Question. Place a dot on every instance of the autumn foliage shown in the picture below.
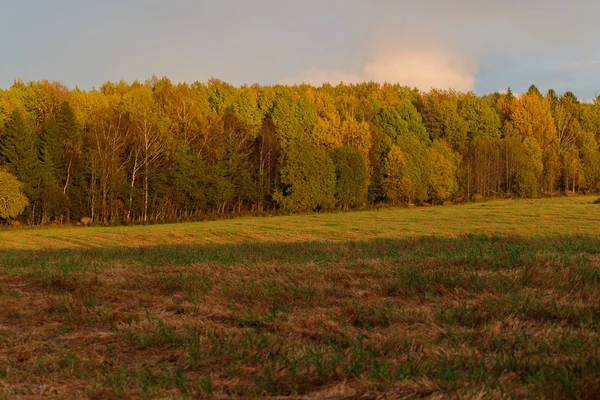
(160, 151)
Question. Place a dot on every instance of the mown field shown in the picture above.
(487, 300)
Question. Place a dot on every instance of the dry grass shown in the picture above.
(364, 311)
(529, 218)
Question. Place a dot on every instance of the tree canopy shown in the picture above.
(160, 151)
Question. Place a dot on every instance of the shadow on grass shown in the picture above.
(494, 251)
(254, 332)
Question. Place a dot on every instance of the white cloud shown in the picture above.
(424, 68)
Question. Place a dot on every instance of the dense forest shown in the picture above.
(159, 151)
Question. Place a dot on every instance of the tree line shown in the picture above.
(159, 151)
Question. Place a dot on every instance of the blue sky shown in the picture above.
(480, 45)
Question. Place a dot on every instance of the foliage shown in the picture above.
(12, 199)
(398, 184)
(418, 168)
(352, 177)
(160, 151)
(444, 183)
(307, 176)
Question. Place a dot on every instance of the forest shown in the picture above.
(162, 151)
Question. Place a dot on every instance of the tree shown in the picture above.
(590, 117)
(357, 135)
(188, 179)
(69, 136)
(481, 117)
(293, 116)
(151, 146)
(12, 199)
(402, 121)
(418, 168)
(352, 177)
(444, 163)
(533, 90)
(18, 148)
(485, 166)
(162, 151)
(574, 173)
(455, 128)
(531, 117)
(528, 176)
(52, 148)
(380, 148)
(590, 158)
(109, 131)
(307, 178)
(398, 185)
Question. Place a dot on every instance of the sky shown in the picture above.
(468, 45)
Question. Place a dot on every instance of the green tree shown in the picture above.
(482, 118)
(52, 148)
(18, 147)
(307, 178)
(352, 177)
(293, 116)
(398, 185)
(528, 176)
(187, 180)
(455, 128)
(402, 121)
(444, 167)
(418, 167)
(67, 146)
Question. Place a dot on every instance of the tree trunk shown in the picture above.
(133, 174)
(146, 194)
(68, 175)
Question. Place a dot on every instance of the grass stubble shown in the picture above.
(463, 315)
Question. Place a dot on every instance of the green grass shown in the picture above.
(529, 218)
(498, 299)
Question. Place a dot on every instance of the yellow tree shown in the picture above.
(398, 186)
(327, 132)
(532, 118)
(590, 158)
(356, 134)
(573, 168)
(12, 199)
(444, 161)
(152, 144)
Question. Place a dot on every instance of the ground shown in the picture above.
(487, 300)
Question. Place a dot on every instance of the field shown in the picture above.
(486, 300)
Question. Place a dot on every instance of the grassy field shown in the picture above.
(487, 300)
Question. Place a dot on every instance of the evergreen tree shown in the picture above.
(70, 136)
(18, 148)
(52, 148)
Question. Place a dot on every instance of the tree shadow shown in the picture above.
(497, 251)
